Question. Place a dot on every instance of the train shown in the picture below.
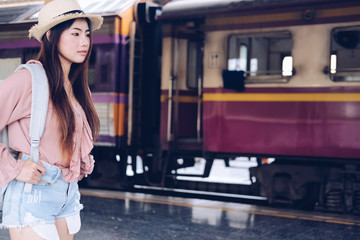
(175, 81)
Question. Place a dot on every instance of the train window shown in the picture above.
(193, 64)
(264, 57)
(287, 66)
(240, 63)
(345, 54)
(333, 63)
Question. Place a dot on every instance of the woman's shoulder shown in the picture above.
(15, 97)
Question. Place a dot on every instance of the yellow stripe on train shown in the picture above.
(282, 97)
(269, 97)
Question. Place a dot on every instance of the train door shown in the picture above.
(185, 113)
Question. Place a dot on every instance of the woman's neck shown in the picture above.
(67, 84)
(66, 69)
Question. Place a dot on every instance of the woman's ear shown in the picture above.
(48, 35)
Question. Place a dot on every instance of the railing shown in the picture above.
(267, 76)
(346, 75)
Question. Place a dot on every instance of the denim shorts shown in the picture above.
(49, 199)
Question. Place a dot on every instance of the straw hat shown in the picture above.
(58, 11)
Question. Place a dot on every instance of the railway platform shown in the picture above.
(113, 215)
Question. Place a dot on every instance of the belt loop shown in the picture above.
(57, 175)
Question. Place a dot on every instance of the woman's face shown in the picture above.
(74, 43)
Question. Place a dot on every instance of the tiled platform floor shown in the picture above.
(134, 216)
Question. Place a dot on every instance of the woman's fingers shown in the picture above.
(41, 168)
(31, 172)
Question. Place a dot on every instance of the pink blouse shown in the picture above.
(15, 110)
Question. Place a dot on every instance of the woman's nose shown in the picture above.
(85, 41)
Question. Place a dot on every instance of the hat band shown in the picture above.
(72, 12)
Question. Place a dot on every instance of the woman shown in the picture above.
(52, 209)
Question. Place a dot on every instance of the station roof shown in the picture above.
(14, 11)
(197, 8)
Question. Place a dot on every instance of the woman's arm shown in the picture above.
(15, 100)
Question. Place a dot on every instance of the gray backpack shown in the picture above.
(39, 107)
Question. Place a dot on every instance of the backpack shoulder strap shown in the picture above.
(39, 107)
(39, 103)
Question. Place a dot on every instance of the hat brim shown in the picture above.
(38, 31)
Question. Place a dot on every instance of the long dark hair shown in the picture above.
(49, 57)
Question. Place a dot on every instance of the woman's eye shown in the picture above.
(75, 34)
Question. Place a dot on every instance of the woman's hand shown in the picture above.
(92, 162)
(31, 172)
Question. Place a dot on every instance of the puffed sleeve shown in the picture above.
(87, 160)
(87, 166)
(15, 94)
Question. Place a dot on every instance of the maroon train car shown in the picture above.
(274, 79)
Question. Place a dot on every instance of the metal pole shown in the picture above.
(131, 82)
